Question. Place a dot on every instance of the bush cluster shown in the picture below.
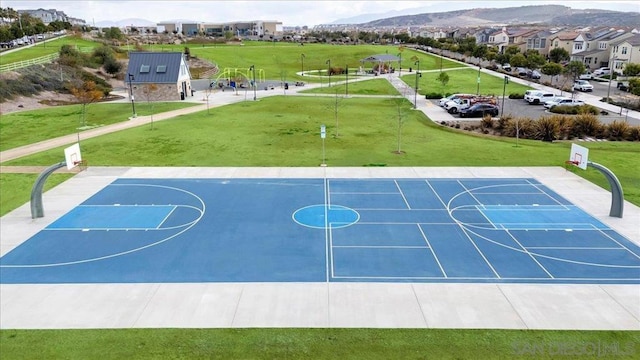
(561, 127)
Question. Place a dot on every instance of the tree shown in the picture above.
(535, 60)
(631, 70)
(574, 69)
(518, 60)
(112, 66)
(86, 93)
(552, 69)
(150, 91)
(558, 55)
(443, 78)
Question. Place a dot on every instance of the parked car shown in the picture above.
(582, 85)
(623, 86)
(479, 110)
(444, 100)
(586, 76)
(506, 67)
(535, 97)
(563, 102)
(534, 74)
(521, 71)
(602, 71)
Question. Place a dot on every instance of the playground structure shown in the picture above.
(238, 78)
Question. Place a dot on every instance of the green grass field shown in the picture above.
(27, 127)
(318, 344)
(47, 48)
(284, 131)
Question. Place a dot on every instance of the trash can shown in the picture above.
(286, 86)
(181, 95)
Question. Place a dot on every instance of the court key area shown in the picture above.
(194, 230)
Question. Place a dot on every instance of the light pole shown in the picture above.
(613, 61)
(302, 56)
(400, 70)
(253, 67)
(504, 89)
(478, 88)
(346, 84)
(329, 62)
(133, 105)
(415, 95)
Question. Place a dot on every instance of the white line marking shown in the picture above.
(402, 194)
(424, 236)
(528, 253)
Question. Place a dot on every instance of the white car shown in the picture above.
(602, 71)
(582, 85)
(586, 76)
(535, 97)
(444, 100)
(563, 102)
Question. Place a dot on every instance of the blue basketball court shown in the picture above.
(317, 230)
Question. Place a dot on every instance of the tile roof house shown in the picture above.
(592, 48)
(168, 71)
(625, 52)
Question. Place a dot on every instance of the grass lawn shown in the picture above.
(284, 131)
(318, 344)
(363, 87)
(282, 61)
(27, 127)
(46, 48)
(16, 186)
(463, 81)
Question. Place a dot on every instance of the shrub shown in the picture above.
(585, 125)
(617, 130)
(503, 122)
(433, 95)
(516, 96)
(547, 128)
(486, 122)
(633, 134)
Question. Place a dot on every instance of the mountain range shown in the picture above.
(559, 15)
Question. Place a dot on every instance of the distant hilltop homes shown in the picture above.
(48, 16)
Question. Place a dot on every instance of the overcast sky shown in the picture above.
(290, 13)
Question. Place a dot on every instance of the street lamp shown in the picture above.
(418, 74)
(302, 56)
(133, 105)
(400, 70)
(613, 60)
(253, 67)
(329, 62)
(478, 88)
(504, 89)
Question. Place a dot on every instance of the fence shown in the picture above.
(39, 60)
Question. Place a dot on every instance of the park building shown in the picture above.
(256, 29)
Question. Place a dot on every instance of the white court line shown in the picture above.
(436, 194)
(364, 193)
(479, 203)
(424, 236)
(491, 279)
(617, 242)
(166, 217)
(327, 233)
(572, 247)
(402, 194)
(528, 253)
(547, 194)
(380, 247)
(479, 251)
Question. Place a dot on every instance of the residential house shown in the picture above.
(625, 52)
(539, 41)
(499, 39)
(592, 48)
(519, 38)
(167, 71)
(563, 40)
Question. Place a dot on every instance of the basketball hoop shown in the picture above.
(81, 164)
(569, 163)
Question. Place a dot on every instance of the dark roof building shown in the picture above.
(168, 71)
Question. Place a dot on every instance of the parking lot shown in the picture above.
(520, 108)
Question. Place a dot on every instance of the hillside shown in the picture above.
(536, 14)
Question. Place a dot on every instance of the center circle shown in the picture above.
(326, 216)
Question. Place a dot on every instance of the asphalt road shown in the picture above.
(521, 108)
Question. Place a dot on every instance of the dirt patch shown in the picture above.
(41, 100)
